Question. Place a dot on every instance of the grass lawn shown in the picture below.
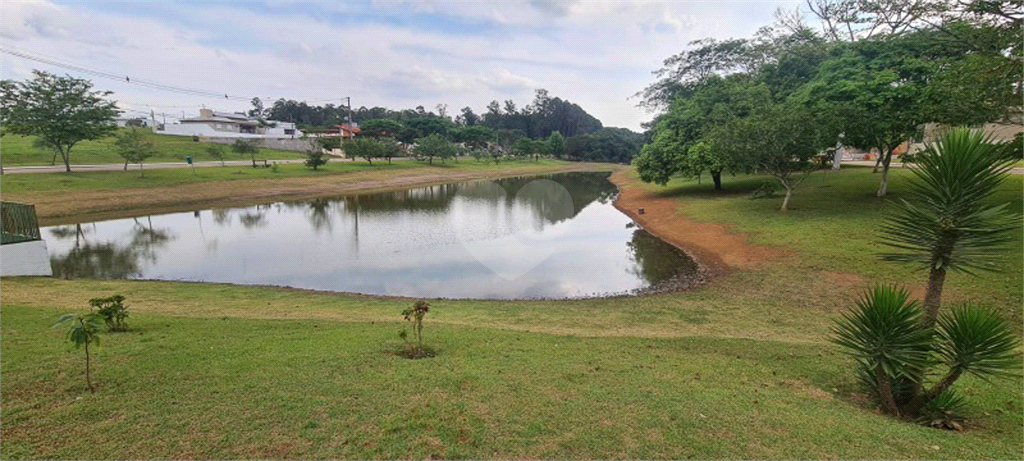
(740, 368)
(18, 151)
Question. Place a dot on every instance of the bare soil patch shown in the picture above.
(713, 245)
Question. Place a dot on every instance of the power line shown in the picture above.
(124, 78)
(39, 57)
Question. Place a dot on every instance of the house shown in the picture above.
(345, 131)
(211, 123)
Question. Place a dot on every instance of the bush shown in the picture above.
(112, 310)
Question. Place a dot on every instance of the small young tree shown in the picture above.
(245, 147)
(315, 156)
(415, 315)
(134, 148)
(83, 330)
(216, 152)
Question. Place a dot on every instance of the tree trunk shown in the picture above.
(88, 377)
(885, 392)
(67, 161)
(933, 295)
(878, 161)
(716, 176)
(125, 166)
(837, 158)
(369, 160)
(142, 173)
(922, 398)
(883, 188)
(789, 195)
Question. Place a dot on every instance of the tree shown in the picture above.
(380, 128)
(83, 331)
(474, 137)
(365, 148)
(778, 139)
(134, 148)
(435, 146)
(698, 119)
(216, 152)
(947, 224)
(245, 147)
(60, 110)
(390, 149)
(315, 156)
(556, 144)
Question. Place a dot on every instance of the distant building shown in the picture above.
(345, 131)
(211, 123)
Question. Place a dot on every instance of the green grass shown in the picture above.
(740, 368)
(112, 180)
(229, 387)
(833, 226)
(18, 151)
(108, 180)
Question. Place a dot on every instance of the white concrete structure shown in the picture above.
(210, 123)
(25, 258)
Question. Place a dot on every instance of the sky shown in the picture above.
(394, 54)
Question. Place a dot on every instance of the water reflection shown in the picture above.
(556, 236)
(108, 259)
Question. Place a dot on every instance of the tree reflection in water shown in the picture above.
(658, 261)
(108, 260)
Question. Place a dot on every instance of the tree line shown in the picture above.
(871, 78)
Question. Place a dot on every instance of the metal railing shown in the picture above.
(19, 223)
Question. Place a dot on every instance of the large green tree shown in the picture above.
(61, 111)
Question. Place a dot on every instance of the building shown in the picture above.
(211, 123)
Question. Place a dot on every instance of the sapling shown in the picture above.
(415, 314)
(83, 331)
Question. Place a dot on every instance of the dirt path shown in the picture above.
(713, 245)
(86, 206)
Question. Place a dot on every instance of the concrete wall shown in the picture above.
(297, 145)
(25, 258)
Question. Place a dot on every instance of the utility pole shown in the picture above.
(351, 129)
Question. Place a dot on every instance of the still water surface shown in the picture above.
(555, 236)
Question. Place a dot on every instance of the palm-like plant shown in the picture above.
(894, 349)
(947, 225)
(886, 337)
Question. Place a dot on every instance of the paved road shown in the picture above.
(871, 163)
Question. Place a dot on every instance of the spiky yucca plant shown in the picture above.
(895, 350)
(947, 225)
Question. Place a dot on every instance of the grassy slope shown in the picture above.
(18, 151)
(738, 369)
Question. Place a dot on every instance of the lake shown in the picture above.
(555, 236)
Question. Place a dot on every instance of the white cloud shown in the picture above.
(394, 54)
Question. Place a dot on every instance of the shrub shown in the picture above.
(112, 310)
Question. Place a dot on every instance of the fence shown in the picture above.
(19, 223)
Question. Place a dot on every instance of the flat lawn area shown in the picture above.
(18, 151)
(740, 368)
